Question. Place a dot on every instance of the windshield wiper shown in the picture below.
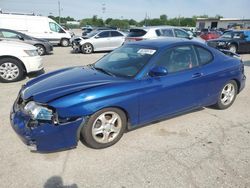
(102, 70)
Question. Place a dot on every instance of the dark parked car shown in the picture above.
(136, 84)
(235, 41)
(43, 46)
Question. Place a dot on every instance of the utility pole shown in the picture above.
(59, 10)
(103, 11)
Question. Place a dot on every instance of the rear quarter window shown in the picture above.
(204, 56)
(136, 33)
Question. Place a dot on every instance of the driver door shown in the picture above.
(101, 41)
(175, 92)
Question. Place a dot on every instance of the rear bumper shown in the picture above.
(45, 137)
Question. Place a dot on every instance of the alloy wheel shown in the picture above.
(227, 94)
(40, 50)
(9, 71)
(87, 48)
(106, 127)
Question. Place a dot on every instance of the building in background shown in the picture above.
(225, 23)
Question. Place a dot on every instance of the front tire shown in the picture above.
(104, 128)
(227, 95)
(233, 48)
(87, 48)
(64, 42)
(11, 70)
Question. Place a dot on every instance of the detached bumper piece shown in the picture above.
(42, 136)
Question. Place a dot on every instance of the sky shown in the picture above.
(131, 9)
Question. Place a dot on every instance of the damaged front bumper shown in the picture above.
(45, 136)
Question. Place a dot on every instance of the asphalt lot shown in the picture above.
(205, 148)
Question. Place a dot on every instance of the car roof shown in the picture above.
(157, 27)
(164, 42)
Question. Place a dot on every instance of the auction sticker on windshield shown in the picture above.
(146, 51)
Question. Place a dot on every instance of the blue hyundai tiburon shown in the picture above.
(135, 84)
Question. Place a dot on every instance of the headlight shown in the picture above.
(222, 43)
(38, 112)
(31, 52)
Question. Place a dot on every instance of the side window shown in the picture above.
(204, 55)
(116, 34)
(7, 34)
(181, 34)
(238, 35)
(104, 34)
(227, 34)
(56, 28)
(167, 32)
(178, 59)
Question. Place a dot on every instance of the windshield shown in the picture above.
(227, 35)
(136, 33)
(125, 61)
(92, 33)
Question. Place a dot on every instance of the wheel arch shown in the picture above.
(90, 44)
(13, 57)
(64, 38)
(87, 117)
(238, 84)
(236, 44)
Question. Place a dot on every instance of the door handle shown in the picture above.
(197, 75)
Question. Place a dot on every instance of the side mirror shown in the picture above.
(97, 37)
(158, 71)
(20, 37)
(190, 37)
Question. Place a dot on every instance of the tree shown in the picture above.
(121, 24)
(163, 17)
(132, 22)
(108, 20)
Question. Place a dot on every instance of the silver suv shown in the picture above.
(153, 32)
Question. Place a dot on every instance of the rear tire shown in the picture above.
(227, 95)
(64, 42)
(40, 49)
(11, 70)
(104, 128)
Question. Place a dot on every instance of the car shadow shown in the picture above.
(247, 63)
(79, 52)
(35, 74)
(57, 181)
(164, 119)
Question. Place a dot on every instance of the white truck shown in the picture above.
(37, 26)
(17, 59)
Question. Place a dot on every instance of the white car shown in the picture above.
(104, 40)
(154, 32)
(17, 59)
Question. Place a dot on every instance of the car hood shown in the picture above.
(54, 85)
